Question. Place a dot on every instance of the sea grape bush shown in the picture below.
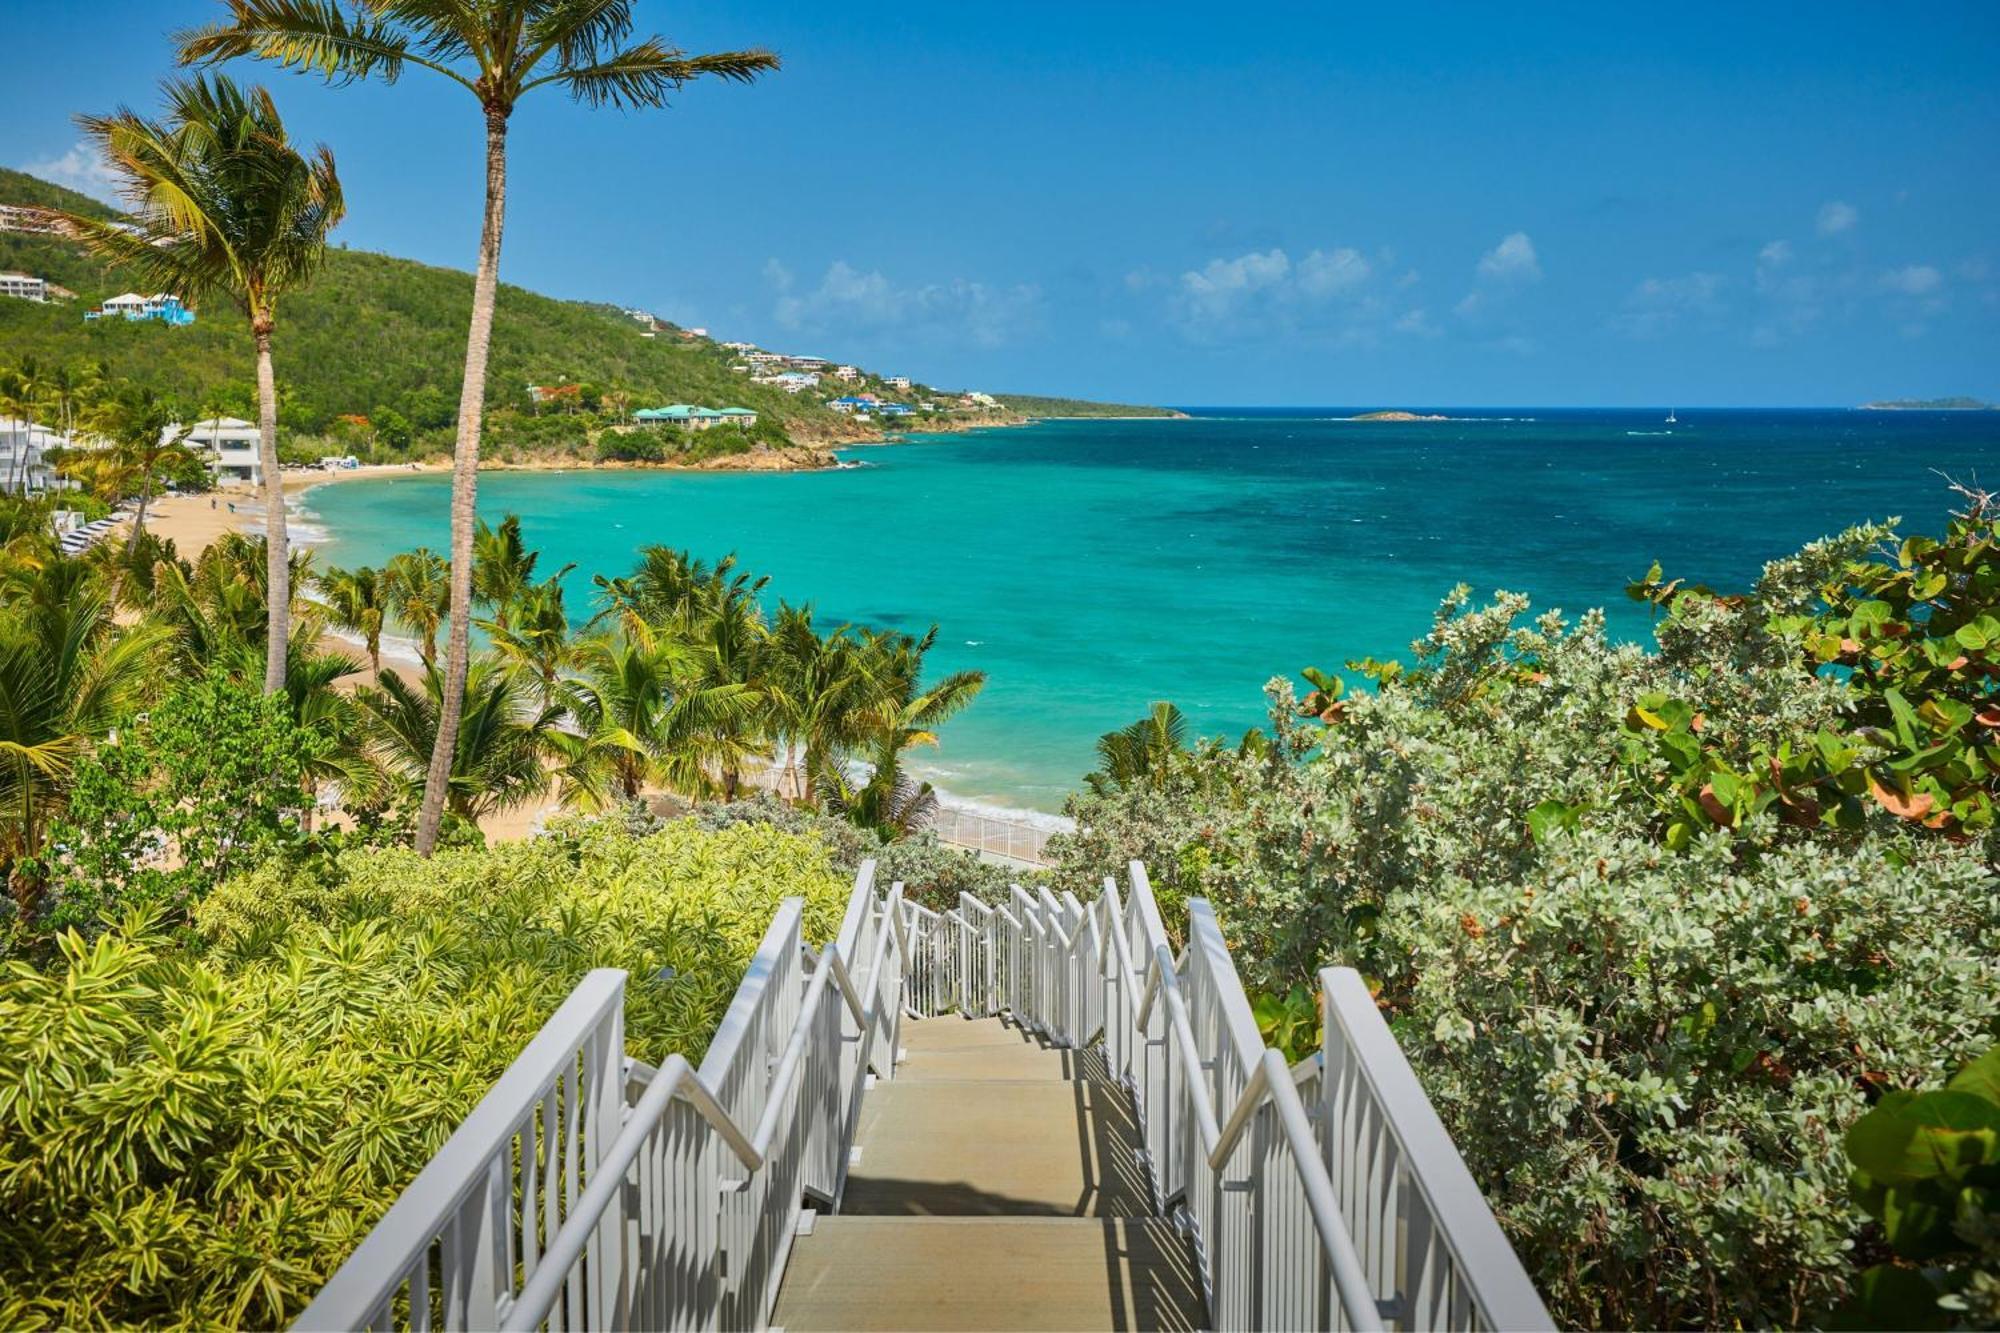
(1911, 629)
(1647, 1042)
(199, 1132)
(1926, 1167)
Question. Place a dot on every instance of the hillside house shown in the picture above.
(25, 287)
(847, 374)
(897, 381)
(134, 307)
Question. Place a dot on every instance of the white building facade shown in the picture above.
(24, 287)
(231, 446)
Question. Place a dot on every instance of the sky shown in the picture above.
(1385, 205)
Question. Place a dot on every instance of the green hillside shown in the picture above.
(1038, 405)
(384, 338)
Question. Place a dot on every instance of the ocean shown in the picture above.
(1091, 567)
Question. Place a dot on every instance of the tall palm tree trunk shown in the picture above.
(139, 519)
(277, 546)
(465, 483)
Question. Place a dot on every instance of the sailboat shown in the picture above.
(1672, 420)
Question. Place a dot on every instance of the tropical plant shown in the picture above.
(417, 585)
(359, 601)
(67, 675)
(1648, 1046)
(503, 739)
(145, 445)
(1142, 752)
(499, 52)
(200, 1132)
(621, 708)
(207, 783)
(503, 569)
(536, 637)
(1926, 1168)
(220, 202)
(814, 688)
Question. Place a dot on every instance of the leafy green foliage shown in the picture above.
(199, 1136)
(1648, 1045)
(1926, 1167)
(209, 782)
(1913, 630)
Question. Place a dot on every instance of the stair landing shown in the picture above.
(996, 1185)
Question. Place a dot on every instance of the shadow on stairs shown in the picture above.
(995, 1184)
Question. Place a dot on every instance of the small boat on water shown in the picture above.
(1672, 420)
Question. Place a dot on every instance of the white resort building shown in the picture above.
(24, 286)
(24, 469)
(231, 446)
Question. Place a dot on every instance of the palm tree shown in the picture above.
(221, 203)
(66, 676)
(418, 586)
(1141, 754)
(503, 568)
(498, 761)
(903, 714)
(620, 710)
(499, 51)
(536, 636)
(23, 389)
(359, 601)
(817, 686)
(145, 443)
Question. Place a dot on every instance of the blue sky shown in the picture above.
(1549, 203)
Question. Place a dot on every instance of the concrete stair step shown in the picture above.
(869, 1273)
(951, 1047)
(997, 1147)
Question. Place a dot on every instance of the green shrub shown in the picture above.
(930, 872)
(1647, 1044)
(200, 1133)
(1927, 1169)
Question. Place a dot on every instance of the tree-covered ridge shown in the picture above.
(1041, 405)
(21, 189)
(383, 338)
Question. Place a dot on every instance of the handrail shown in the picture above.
(840, 976)
(677, 1080)
(379, 1265)
(1219, 1139)
(1435, 1168)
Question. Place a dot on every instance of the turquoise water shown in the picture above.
(1092, 567)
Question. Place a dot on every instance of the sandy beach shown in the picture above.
(195, 521)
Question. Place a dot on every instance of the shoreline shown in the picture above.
(190, 522)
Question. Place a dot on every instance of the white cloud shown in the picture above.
(80, 169)
(1912, 280)
(1775, 255)
(848, 301)
(1324, 291)
(1511, 261)
(1219, 288)
(1327, 273)
(1658, 304)
(1508, 266)
(1836, 217)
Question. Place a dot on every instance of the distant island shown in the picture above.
(1397, 416)
(1930, 405)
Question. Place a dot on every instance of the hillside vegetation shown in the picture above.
(380, 337)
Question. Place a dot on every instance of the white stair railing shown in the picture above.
(1326, 1196)
(560, 1203)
